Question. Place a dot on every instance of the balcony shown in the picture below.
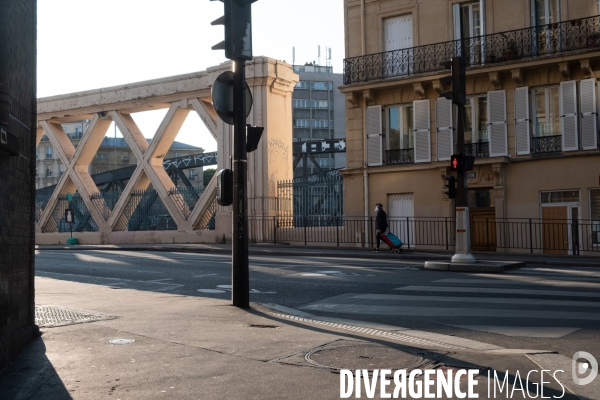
(479, 150)
(547, 144)
(520, 44)
(401, 156)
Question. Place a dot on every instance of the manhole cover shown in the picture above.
(363, 356)
(49, 316)
(121, 341)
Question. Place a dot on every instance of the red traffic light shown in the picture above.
(456, 162)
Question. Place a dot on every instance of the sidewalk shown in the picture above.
(352, 252)
(199, 348)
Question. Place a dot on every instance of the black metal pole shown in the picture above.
(461, 178)
(240, 285)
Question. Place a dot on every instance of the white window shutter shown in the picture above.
(589, 135)
(445, 128)
(374, 142)
(422, 131)
(568, 116)
(497, 123)
(522, 123)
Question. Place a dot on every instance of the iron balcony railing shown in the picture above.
(547, 144)
(479, 150)
(400, 156)
(538, 41)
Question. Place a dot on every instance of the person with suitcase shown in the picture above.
(381, 224)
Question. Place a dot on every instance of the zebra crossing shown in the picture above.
(539, 305)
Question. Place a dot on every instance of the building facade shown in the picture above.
(114, 153)
(318, 112)
(531, 113)
(17, 196)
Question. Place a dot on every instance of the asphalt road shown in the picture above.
(538, 307)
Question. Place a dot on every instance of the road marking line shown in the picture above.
(449, 312)
(459, 289)
(205, 275)
(551, 332)
(470, 300)
(522, 281)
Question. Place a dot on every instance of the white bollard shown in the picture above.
(463, 237)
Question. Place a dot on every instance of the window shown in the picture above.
(61, 168)
(471, 20)
(545, 12)
(400, 132)
(102, 156)
(125, 156)
(302, 123)
(323, 104)
(48, 171)
(320, 123)
(546, 117)
(476, 120)
(37, 153)
(302, 85)
(469, 26)
(299, 103)
(322, 85)
(48, 152)
(568, 196)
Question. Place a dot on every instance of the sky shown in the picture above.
(92, 44)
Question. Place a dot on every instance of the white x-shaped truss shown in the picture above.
(149, 168)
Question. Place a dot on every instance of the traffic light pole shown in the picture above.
(461, 180)
(240, 278)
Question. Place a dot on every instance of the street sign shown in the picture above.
(69, 196)
(222, 97)
(69, 216)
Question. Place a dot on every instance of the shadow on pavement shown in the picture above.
(31, 375)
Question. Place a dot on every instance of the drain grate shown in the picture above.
(49, 316)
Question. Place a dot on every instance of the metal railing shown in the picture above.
(479, 150)
(538, 41)
(525, 235)
(400, 156)
(547, 144)
(312, 197)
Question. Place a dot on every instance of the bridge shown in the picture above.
(271, 83)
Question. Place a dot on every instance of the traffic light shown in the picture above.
(451, 185)
(457, 80)
(238, 29)
(253, 134)
(225, 187)
(456, 162)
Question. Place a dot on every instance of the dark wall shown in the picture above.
(17, 171)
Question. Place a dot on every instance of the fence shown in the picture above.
(317, 201)
(144, 211)
(523, 235)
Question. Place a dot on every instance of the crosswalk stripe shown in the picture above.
(471, 300)
(532, 292)
(530, 282)
(409, 311)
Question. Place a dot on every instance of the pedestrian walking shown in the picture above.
(381, 224)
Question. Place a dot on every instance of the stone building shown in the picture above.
(531, 119)
(17, 143)
(319, 113)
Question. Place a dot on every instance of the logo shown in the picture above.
(581, 368)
